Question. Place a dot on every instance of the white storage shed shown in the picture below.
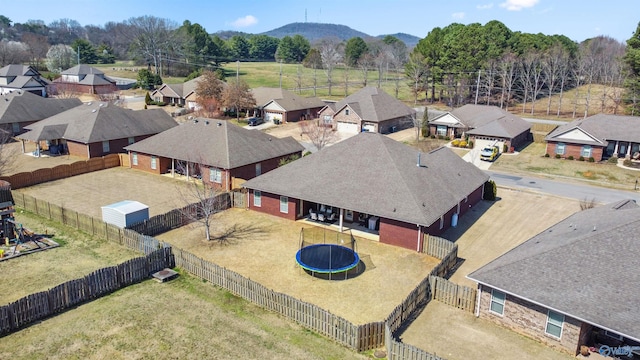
(125, 213)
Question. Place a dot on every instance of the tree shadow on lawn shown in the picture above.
(468, 219)
(235, 233)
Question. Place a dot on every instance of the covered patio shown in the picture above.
(48, 140)
(342, 220)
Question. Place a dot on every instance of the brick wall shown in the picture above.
(270, 204)
(343, 117)
(163, 165)
(574, 150)
(530, 319)
(398, 233)
(78, 149)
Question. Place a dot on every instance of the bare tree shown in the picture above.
(208, 107)
(587, 203)
(365, 63)
(37, 47)
(331, 54)
(552, 63)
(151, 37)
(237, 96)
(416, 70)
(209, 86)
(64, 90)
(319, 133)
(507, 76)
(203, 199)
(8, 154)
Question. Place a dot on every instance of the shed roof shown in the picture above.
(126, 206)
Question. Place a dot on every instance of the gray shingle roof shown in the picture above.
(374, 174)
(18, 70)
(375, 105)
(82, 69)
(100, 121)
(216, 143)
(22, 106)
(602, 127)
(286, 99)
(585, 266)
(486, 120)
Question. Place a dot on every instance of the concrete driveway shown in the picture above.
(473, 157)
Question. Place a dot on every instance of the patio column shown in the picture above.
(615, 149)
(629, 149)
(173, 167)
(23, 149)
(341, 217)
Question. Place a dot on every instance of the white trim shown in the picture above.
(504, 302)
(286, 207)
(257, 194)
(546, 325)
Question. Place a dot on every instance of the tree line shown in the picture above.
(456, 64)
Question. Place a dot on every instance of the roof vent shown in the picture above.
(101, 105)
(206, 122)
(93, 110)
(594, 228)
(419, 163)
(89, 103)
(219, 123)
(195, 121)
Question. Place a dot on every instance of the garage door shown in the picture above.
(369, 127)
(269, 116)
(346, 127)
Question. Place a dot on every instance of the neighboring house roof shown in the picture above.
(99, 121)
(87, 75)
(373, 174)
(375, 105)
(598, 130)
(484, 120)
(18, 70)
(285, 99)
(82, 69)
(216, 143)
(21, 76)
(181, 90)
(23, 106)
(584, 266)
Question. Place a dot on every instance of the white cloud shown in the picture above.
(485, 6)
(458, 15)
(245, 21)
(517, 5)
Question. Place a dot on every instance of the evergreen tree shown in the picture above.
(632, 60)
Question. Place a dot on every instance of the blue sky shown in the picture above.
(577, 19)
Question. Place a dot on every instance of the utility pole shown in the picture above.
(280, 73)
(477, 87)
(78, 54)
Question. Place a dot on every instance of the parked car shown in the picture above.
(255, 121)
(489, 153)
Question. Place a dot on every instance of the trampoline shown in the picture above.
(327, 259)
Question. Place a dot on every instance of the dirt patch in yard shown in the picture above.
(263, 247)
(458, 335)
(86, 193)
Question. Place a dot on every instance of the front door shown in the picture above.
(622, 150)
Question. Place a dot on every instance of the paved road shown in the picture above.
(545, 121)
(564, 189)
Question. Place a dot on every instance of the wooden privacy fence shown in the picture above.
(437, 247)
(25, 179)
(359, 337)
(128, 238)
(450, 293)
(99, 283)
(180, 217)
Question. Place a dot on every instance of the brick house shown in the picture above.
(284, 106)
(483, 125)
(599, 136)
(96, 129)
(84, 79)
(25, 78)
(214, 150)
(182, 94)
(374, 183)
(370, 109)
(573, 284)
(19, 109)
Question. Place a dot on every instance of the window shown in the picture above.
(257, 198)
(131, 140)
(154, 163)
(586, 151)
(613, 335)
(497, 302)
(346, 112)
(16, 128)
(105, 146)
(284, 204)
(215, 175)
(258, 169)
(327, 119)
(560, 148)
(554, 324)
(441, 130)
(134, 158)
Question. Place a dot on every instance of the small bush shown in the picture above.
(440, 137)
(161, 103)
(613, 160)
(463, 144)
(470, 145)
(425, 132)
(455, 143)
(627, 163)
(505, 148)
(547, 155)
(570, 157)
(558, 156)
(433, 136)
(490, 190)
(591, 159)
(447, 138)
(581, 158)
